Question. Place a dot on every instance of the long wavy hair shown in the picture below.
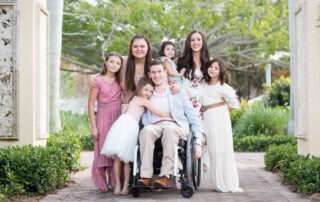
(223, 76)
(131, 66)
(186, 60)
(104, 68)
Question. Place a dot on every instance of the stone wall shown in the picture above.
(8, 73)
(23, 66)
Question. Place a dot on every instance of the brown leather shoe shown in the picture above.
(144, 182)
(163, 182)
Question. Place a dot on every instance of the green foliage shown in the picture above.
(78, 126)
(302, 172)
(75, 122)
(279, 93)
(278, 157)
(68, 89)
(37, 169)
(245, 31)
(261, 120)
(68, 146)
(261, 142)
(236, 114)
(29, 169)
(1, 196)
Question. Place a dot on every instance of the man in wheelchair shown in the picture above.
(170, 131)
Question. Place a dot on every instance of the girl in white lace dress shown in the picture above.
(217, 99)
(123, 135)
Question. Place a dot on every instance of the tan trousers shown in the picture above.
(170, 133)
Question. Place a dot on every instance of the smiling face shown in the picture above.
(146, 91)
(214, 70)
(139, 48)
(113, 64)
(157, 74)
(169, 51)
(196, 42)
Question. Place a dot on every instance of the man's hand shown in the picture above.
(93, 81)
(198, 151)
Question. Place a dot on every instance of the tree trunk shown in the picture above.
(56, 13)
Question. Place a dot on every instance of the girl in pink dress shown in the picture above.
(107, 93)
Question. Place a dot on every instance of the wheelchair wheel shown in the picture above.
(196, 170)
(196, 167)
(187, 191)
(189, 158)
(135, 192)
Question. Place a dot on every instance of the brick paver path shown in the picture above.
(258, 184)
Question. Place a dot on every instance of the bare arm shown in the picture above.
(91, 101)
(182, 71)
(123, 73)
(168, 67)
(147, 104)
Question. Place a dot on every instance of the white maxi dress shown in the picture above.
(217, 126)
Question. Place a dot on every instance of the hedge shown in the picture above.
(301, 172)
(261, 142)
(38, 169)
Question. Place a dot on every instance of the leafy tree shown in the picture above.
(242, 32)
(279, 93)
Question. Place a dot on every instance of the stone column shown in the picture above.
(23, 72)
(306, 76)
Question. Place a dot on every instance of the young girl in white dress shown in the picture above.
(217, 99)
(167, 53)
(123, 135)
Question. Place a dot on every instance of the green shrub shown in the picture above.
(304, 174)
(279, 157)
(69, 146)
(37, 169)
(261, 120)
(29, 169)
(79, 125)
(261, 142)
(236, 114)
(75, 122)
(279, 93)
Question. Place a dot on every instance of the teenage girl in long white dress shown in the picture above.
(217, 99)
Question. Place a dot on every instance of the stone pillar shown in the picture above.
(23, 72)
(306, 76)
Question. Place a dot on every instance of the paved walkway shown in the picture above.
(258, 184)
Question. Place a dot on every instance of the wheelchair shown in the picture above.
(189, 175)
